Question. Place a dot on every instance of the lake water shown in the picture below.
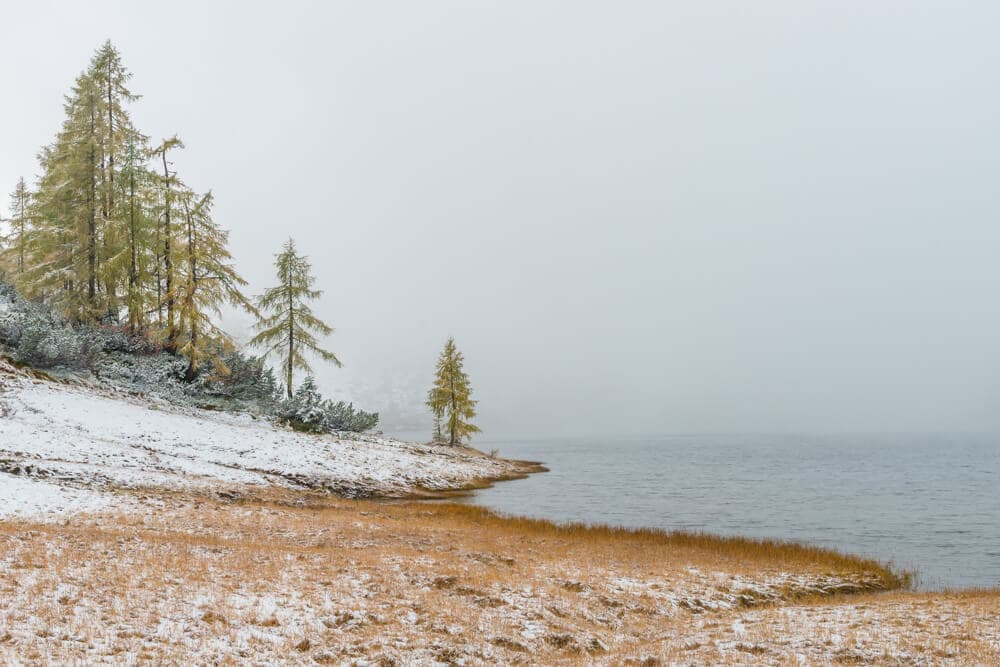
(926, 503)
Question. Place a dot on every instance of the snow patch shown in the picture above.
(30, 498)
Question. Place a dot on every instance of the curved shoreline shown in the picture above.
(298, 576)
(268, 527)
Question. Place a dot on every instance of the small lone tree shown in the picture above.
(287, 324)
(450, 399)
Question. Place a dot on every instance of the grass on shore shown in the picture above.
(656, 545)
(323, 579)
(573, 540)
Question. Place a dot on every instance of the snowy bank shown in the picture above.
(73, 443)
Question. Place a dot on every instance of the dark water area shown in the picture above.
(924, 503)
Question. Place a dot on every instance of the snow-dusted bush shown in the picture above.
(117, 338)
(308, 411)
(247, 378)
(32, 334)
(160, 374)
(45, 344)
(344, 417)
(39, 338)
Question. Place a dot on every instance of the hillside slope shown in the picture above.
(70, 445)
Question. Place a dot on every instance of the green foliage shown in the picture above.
(286, 324)
(107, 237)
(35, 335)
(308, 411)
(77, 209)
(304, 411)
(42, 341)
(14, 254)
(343, 416)
(207, 279)
(248, 379)
(450, 399)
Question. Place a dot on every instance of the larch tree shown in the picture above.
(165, 283)
(63, 254)
(450, 398)
(286, 324)
(115, 134)
(137, 258)
(75, 209)
(207, 281)
(19, 231)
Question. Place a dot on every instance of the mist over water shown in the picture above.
(666, 217)
(928, 503)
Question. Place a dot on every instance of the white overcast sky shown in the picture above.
(632, 216)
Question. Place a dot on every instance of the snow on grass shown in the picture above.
(79, 436)
(199, 581)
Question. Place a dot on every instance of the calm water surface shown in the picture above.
(926, 503)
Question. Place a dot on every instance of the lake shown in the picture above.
(925, 503)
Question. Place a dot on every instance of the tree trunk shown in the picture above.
(20, 239)
(134, 309)
(190, 296)
(159, 277)
(453, 418)
(167, 262)
(291, 326)
(111, 148)
(92, 219)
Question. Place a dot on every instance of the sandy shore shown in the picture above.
(302, 579)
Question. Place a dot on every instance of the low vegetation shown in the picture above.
(303, 578)
(33, 334)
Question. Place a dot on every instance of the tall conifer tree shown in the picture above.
(115, 133)
(137, 255)
(80, 226)
(63, 255)
(287, 324)
(166, 285)
(208, 279)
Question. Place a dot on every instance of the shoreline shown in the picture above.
(187, 535)
(53, 434)
(301, 577)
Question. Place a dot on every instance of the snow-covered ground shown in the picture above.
(184, 576)
(23, 497)
(66, 448)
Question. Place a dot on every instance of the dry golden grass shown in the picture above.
(305, 579)
(655, 545)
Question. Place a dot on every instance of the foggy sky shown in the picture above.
(633, 217)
